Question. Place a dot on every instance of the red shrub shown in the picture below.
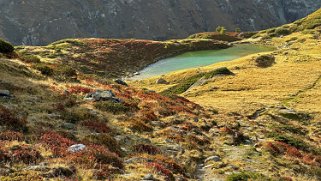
(96, 126)
(57, 143)
(270, 147)
(24, 154)
(143, 148)
(162, 170)
(294, 152)
(11, 136)
(94, 154)
(79, 89)
(147, 115)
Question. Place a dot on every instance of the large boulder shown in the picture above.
(106, 95)
(5, 93)
(121, 82)
(161, 81)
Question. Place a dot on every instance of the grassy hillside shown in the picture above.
(276, 106)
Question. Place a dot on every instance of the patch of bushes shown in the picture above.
(115, 108)
(45, 70)
(139, 126)
(30, 58)
(5, 47)
(282, 31)
(11, 136)
(96, 126)
(162, 170)
(265, 61)
(9, 119)
(96, 155)
(144, 148)
(245, 176)
(56, 143)
(296, 142)
(24, 154)
(105, 140)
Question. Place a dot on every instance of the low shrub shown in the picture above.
(96, 154)
(293, 141)
(45, 70)
(11, 136)
(24, 154)
(77, 89)
(96, 126)
(265, 61)
(5, 47)
(115, 108)
(9, 119)
(139, 126)
(144, 148)
(30, 58)
(245, 176)
(282, 31)
(162, 170)
(105, 140)
(56, 143)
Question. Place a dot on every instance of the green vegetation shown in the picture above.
(221, 30)
(296, 142)
(45, 70)
(115, 108)
(245, 176)
(184, 85)
(6, 47)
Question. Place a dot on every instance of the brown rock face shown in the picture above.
(39, 22)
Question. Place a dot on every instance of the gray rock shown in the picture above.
(69, 126)
(213, 158)
(161, 81)
(76, 148)
(5, 93)
(121, 82)
(106, 95)
(148, 177)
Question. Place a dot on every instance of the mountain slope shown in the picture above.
(40, 22)
(275, 105)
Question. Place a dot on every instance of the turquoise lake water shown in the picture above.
(198, 59)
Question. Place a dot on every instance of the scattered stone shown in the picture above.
(61, 172)
(161, 81)
(265, 61)
(106, 95)
(76, 148)
(136, 73)
(149, 177)
(4, 171)
(213, 158)
(39, 168)
(5, 93)
(292, 114)
(68, 126)
(121, 82)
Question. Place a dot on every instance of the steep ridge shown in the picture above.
(41, 22)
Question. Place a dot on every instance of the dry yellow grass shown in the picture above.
(293, 81)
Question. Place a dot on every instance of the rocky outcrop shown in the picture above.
(40, 22)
